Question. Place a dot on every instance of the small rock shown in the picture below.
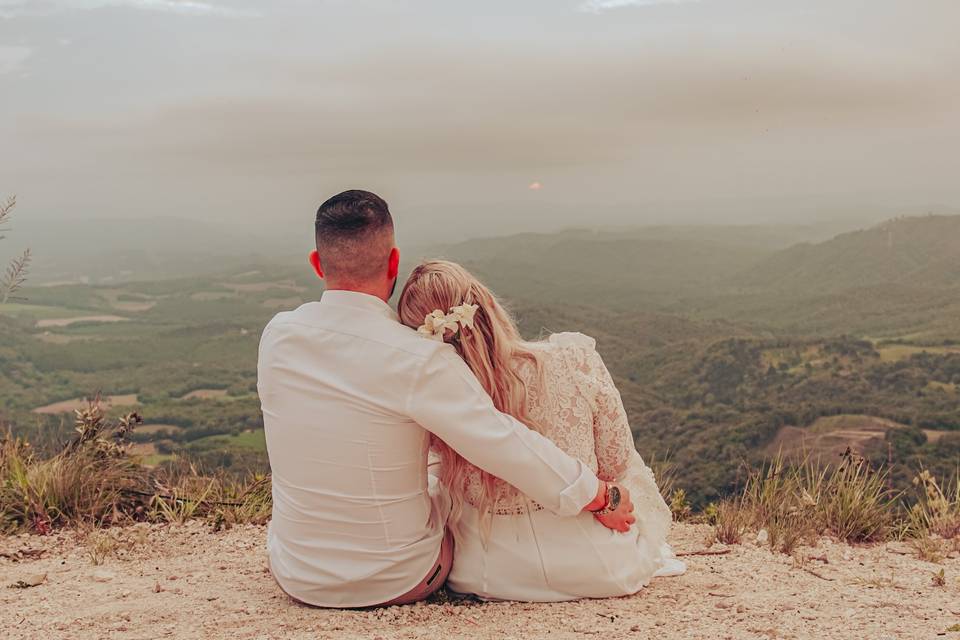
(33, 580)
(102, 575)
(763, 537)
(157, 588)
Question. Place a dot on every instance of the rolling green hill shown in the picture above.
(626, 269)
(919, 251)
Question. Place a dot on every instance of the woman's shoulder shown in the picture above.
(572, 339)
(566, 350)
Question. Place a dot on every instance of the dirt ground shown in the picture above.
(186, 581)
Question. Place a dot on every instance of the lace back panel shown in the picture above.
(580, 410)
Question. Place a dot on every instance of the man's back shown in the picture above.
(353, 524)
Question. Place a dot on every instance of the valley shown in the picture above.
(729, 344)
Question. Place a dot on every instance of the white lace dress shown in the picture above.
(532, 554)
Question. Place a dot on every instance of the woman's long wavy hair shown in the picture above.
(493, 350)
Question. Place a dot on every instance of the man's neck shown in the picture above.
(370, 290)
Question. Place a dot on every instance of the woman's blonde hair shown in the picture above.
(493, 349)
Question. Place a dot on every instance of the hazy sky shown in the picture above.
(254, 111)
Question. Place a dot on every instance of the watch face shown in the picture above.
(613, 498)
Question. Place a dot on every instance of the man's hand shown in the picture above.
(620, 518)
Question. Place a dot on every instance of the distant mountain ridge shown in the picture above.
(615, 266)
(916, 251)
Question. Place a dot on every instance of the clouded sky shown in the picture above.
(569, 109)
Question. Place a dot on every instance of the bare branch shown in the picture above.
(15, 277)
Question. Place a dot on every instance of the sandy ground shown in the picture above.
(188, 582)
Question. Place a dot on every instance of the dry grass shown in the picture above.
(939, 578)
(93, 482)
(853, 501)
(730, 522)
(88, 481)
(775, 503)
(99, 545)
(185, 491)
(937, 510)
(665, 472)
(680, 506)
(790, 506)
(928, 548)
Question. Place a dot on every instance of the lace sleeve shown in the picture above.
(613, 441)
(611, 429)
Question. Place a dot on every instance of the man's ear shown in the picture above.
(393, 263)
(315, 263)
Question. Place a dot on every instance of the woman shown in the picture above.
(507, 546)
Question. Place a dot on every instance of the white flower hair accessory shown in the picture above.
(436, 323)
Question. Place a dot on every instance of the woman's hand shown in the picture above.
(621, 517)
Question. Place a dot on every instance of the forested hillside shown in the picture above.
(920, 252)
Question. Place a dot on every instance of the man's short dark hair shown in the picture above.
(354, 234)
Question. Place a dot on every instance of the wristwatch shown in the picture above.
(613, 501)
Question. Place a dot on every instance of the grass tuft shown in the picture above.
(937, 510)
(796, 504)
(729, 522)
(854, 502)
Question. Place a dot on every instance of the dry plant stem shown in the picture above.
(6, 209)
(14, 277)
(814, 573)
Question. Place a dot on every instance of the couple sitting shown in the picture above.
(438, 446)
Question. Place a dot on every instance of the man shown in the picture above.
(348, 397)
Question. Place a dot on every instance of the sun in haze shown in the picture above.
(534, 186)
